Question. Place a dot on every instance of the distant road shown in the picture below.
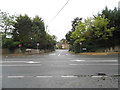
(59, 69)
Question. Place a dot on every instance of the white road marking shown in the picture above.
(68, 76)
(95, 60)
(44, 76)
(94, 64)
(31, 62)
(21, 65)
(58, 54)
(16, 76)
(52, 54)
(78, 60)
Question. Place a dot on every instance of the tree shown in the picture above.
(38, 33)
(75, 23)
(50, 42)
(32, 31)
(22, 29)
(6, 23)
(92, 33)
(114, 17)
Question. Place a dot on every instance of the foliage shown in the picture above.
(100, 32)
(32, 31)
(25, 31)
(9, 43)
(22, 29)
(6, 23)
(114, 17)
(50, 42)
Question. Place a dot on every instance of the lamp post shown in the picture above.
(37, 46)
(80, 47)
(20, 45)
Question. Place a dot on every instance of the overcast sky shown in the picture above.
(47, 9)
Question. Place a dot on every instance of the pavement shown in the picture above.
(60, 69)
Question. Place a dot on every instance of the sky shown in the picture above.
(47, 9)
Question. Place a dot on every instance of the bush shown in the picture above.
(76, 47)
(10, 44)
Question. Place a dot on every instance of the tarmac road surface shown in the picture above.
(60, 69)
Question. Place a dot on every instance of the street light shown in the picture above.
(80, 47)
(37, 46)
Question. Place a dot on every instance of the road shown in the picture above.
(59, 69)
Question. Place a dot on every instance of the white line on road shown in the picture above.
(69, 76)
(32, 62)
(52, 54)
(95, 64)
(22, 65)
(58, 54)
(44, 76)
(16, 76)
(19, 62)
(78, 60)
(95, 60)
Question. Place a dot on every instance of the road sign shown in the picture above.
(38, 44)
(84, 48)
(20, 45)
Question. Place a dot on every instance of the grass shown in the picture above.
(99, 53)
(95, 53)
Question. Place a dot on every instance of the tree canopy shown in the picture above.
(25, 31)
(99, 32)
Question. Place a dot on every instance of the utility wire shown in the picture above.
(59, 11)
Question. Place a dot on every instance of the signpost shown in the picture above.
(37, 47)
(20, 45)
(80, 47)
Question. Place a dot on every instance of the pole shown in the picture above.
(80, 47)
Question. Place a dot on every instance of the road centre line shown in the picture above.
(69, 76)
(44, 76)
(16, 76)
(41, 76)
(63, 76)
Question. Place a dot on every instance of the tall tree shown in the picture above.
(22, 29)
(38, 32)
(6, 23)
(114, 17)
